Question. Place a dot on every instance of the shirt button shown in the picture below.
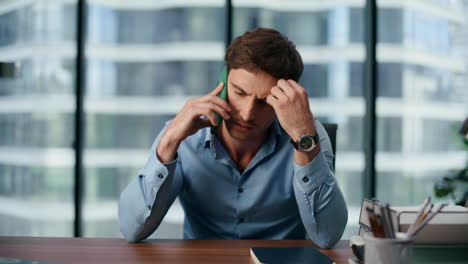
(240, 190)
(161, 176)
(305, 179)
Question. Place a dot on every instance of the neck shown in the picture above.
(240, 151)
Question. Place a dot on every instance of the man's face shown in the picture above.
(251, 116)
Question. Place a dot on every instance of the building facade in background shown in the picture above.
(144, 59)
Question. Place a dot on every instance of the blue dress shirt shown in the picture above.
(273, 198)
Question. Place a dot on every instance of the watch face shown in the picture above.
(306, 143)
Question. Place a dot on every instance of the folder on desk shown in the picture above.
(296, 255)
(450, 226)
(21, 261)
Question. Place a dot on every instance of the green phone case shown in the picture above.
(223, 95)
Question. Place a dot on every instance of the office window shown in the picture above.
(390, 76)
(390, 134)
(133, 24)
(389, 27)
(422, 97)
(432, 139)
(170, 78)
(37, 118)
(436, 83)
(356, 80)
(412, 188)
(143, 62)
(315, 80)
(306, 28)
(333, 60)
(356, 25)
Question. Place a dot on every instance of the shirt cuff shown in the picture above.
(312, 175)
(153, 175)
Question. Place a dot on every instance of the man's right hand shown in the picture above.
(189, 120)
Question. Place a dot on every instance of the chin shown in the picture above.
(240, 135)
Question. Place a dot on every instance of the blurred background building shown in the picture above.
(144, 59)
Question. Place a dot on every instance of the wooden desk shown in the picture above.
(115, 251)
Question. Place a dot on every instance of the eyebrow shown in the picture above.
(239, 88)
(243, 91)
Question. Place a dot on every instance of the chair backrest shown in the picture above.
(331, 131)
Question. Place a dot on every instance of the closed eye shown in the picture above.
(240, 93)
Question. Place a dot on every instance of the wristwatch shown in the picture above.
(306, 143)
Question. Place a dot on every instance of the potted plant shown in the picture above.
(455, 185)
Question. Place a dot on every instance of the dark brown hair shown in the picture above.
(267, 50)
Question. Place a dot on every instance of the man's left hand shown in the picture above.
(291, 104)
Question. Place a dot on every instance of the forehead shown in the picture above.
(256, 83)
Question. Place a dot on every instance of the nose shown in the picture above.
(247, 112)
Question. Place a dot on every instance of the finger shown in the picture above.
(205, 111)
(218, 101)
(297, 87)
(271, 100)
(201, 111)
(218, 110)
(287, 88)
(278, 93)
(212, 118)
(293, 84)
(205, 122)
(218, 89)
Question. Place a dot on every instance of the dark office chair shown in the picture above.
(331, 131)
(7, 70)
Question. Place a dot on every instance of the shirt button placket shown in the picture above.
(239, 191)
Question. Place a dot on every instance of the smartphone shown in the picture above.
(223, 95)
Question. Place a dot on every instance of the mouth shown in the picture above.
(242, 126)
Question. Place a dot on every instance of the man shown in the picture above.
(246, 181)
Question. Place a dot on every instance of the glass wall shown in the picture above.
(37, 118)
(330, 40)
(422, 99)
(144, 60)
